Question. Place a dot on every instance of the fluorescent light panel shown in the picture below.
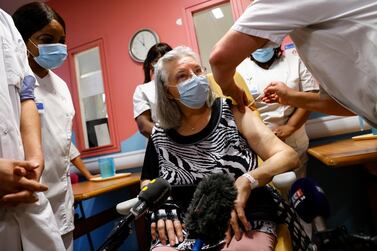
(217, 13)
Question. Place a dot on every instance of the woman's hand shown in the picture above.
(238, 95)
(284, 131)
(238, 214)
(170, 230)
(19, 182)
(93, 177)
(277, 92)
(17, 175)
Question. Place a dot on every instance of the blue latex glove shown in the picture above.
(27, 90)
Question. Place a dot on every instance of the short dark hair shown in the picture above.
(155, 52)
(32, 17)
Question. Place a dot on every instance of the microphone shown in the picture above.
(208, 215)
(311, 205)
(150, 198)
(309, 200)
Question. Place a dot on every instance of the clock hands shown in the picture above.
(142, 41)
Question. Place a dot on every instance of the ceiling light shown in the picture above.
(217, 13)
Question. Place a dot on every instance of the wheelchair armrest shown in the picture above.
(124, 207)
(283, 182)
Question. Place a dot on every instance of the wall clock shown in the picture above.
(140, 44)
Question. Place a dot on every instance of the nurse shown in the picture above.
(26, 218)
(144, 99)
(43, 31)
(335, 40)
(287, 122)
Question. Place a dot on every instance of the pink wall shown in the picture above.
(116, 21)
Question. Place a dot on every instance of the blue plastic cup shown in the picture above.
(374, 131)
(106, 167)
(361, 123)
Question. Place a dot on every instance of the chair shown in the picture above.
(240, 82)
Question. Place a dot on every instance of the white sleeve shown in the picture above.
(140, 102)
(21, 49)
(73, 152)
(14, 49)
(273, 20)
(307, 81)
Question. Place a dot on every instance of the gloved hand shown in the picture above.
(27, 89)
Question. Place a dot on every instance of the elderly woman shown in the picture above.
(198, 135)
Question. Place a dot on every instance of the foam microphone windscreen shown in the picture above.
(210, 210)
(308, 199)
(155, 193)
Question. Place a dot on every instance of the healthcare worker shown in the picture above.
(288, 123)
(144, 98)
(335, 39)
(26, 218)
(43, 31)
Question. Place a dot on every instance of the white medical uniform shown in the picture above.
(28, 226)
(56, 110)
(290, 70)
(335, 39)
(145, 99)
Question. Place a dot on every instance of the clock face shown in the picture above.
(140, 44)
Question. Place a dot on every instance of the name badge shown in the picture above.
(40, 107)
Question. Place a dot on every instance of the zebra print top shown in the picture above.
(185, 160)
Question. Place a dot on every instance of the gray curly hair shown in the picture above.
(168, 112)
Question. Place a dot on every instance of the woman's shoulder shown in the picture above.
(54, 77)
(290, 58)
(146, 88)
(60, 84)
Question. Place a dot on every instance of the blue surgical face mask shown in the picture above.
(263, 55)
(51, 56)
(194, 92)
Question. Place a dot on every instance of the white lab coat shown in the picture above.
(144, 99)
(26, 226)
(56, 111)
(290, 70)
(335, 39)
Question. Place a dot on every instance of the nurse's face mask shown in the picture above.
(50, 56)
(192, 86)
(263, 55)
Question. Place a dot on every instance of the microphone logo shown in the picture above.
(297, 197)
(138, 208)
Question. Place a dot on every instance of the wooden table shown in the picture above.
(89, 189)
(346, 152)
(352, 152)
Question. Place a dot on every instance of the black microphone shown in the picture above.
(309, 200)
(150, 198)
(311, 205)
(208, 215)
